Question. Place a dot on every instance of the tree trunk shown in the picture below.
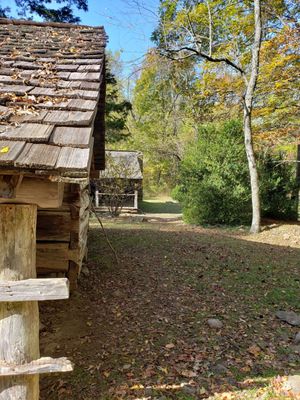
(254, 182)
(248, 103)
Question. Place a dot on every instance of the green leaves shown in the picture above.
(29, 8)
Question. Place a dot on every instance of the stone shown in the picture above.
(189, 389)
(293, 384)
(214, 323)
(219, 369)
(289, 317)
(148, 391)
(297, 338)
(296, 348)
(85, 271)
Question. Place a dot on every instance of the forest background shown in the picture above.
(184, 113)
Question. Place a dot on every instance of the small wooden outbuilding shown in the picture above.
(122, 179)
(52, 95)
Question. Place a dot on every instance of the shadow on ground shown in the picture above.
(138, 330)
(157, 207)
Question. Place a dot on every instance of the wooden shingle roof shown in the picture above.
(123, 164)
(51, 97)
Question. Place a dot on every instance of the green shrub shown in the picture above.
(214, 183)
(278, 186)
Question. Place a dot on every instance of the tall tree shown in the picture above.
(117, 107)
(40, 8)
(219, 32)
(160, 122)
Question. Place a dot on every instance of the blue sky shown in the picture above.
(128, 23)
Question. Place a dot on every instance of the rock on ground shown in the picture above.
(289, 316)
(214, 323)
(297, 338)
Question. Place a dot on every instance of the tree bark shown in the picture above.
(248, 104)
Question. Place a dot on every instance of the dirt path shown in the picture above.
(139, 330)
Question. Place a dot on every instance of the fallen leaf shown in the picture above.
(254, 350)
(188, 374)
(170, 346)
(4, 149)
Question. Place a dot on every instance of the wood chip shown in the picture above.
(73, 159)
(41, 156)
(29, 132)
(69, 118)
(72, 137)
(9, 151)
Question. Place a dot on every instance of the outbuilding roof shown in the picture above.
(51, 97)
(122, 164)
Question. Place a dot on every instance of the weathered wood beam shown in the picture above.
(34, 290)
(43, 365)
(41, 192)
(19, 322)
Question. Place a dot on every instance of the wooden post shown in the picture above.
(19, 321)
(135, 205)
(97, 198)
(20, 364)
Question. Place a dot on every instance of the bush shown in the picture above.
(278, 187)
(214, 183)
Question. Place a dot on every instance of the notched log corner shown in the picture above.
(9, 185)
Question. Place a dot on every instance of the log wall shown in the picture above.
(62, 235)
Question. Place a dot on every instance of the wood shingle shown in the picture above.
(51, 80)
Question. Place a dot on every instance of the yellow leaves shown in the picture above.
(137, 387)
(227, 396)
(202, 391)
(254, 350)
(4, 150)
(164, 370)
(170, 346)
(188, 374)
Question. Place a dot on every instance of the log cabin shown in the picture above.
(52, 94)
(121, 181)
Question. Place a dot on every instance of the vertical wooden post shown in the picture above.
(135, 205)
(97, 198)
(19, 321)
